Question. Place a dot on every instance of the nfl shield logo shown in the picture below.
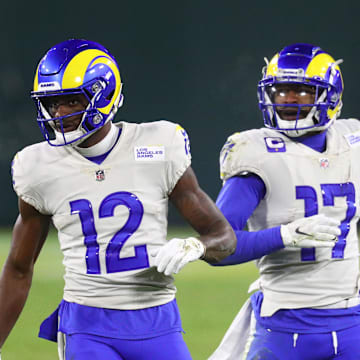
(324, 163)
(100, 175)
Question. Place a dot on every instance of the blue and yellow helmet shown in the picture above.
(308, 65)
(77, 67)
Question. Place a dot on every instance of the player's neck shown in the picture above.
(102, 146)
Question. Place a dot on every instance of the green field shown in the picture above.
(208, 297)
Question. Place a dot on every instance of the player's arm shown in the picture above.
(217, 239)
(238, 199)
(29, 233)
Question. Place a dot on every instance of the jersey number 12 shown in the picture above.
(114, 263)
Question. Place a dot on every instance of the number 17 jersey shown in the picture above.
(302, 182)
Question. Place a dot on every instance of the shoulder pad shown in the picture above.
(239, 148)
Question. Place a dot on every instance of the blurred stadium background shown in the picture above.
(192, 62)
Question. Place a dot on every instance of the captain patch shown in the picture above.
(275, 144)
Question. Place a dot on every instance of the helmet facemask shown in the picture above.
(301, 66)
(308, 116)
(91, 121)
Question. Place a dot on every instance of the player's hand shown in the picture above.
(314, 231)
(176, 253)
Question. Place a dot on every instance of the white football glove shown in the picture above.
(314, 231)
(176, 253)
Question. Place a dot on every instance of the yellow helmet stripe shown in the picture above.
(273, 66)
(319, 66)
(36, 79)
(75, 70)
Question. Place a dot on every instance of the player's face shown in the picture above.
(63, 105)
(293, 94)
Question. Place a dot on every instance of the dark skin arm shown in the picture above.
(203, 215)
(29, 234)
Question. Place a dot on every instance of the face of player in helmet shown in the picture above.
(296, 94)
(300, 90)
(65, 105)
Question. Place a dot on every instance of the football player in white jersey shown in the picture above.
(296, 184)
(106, 187)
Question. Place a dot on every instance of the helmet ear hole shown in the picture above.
(109, 97)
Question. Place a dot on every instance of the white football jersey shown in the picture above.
(109, 217)
(302, 182)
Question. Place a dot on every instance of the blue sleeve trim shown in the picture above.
(254, 245)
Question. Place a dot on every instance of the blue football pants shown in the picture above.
(84, 347)
(274, 345)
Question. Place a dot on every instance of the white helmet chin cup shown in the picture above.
(296, 128)
(69, 137)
